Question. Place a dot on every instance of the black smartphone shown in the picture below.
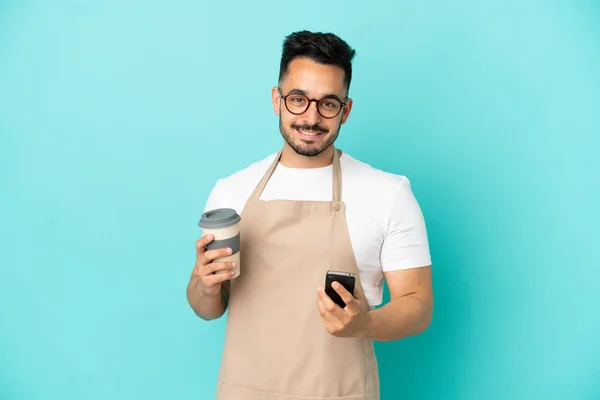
(346, 279)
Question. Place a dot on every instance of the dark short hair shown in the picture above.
(322, 48)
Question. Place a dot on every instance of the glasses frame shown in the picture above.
(318, 101)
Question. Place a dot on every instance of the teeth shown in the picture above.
(309, 133)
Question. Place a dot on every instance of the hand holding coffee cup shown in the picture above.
(209, 269)
(223, 226)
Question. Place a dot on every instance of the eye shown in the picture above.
(297, 99)
(332, 104)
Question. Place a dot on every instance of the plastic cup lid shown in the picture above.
(219, 218)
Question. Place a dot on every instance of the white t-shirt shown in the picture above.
(385, 223)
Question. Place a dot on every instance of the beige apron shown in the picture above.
(276, 346)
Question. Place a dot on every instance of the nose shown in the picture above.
(312, 115)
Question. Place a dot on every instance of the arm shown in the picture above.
(408, 312)
(406, 266)
(410, 308)
(206, 306)
(405, 261)
(206, 292)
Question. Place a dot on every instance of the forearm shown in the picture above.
(400, 318)
(206, 307)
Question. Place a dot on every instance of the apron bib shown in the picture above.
(276, 346)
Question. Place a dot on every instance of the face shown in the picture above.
(310, 133)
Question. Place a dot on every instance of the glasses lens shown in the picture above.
(296, 103)
(329, 107)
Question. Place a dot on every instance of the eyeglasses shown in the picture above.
(297, 104)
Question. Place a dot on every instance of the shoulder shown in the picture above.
(387, 198)
(233, 190)
(373, 182)
(388, 202)
(252, 172)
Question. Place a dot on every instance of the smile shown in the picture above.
(308, 135)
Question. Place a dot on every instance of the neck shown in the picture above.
(291, 159)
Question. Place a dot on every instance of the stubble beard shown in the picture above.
(304, 148)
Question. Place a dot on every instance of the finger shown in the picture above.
(202, 242)
(326, 315)
(330, 322)
(211, 268)
(214, 279)
(328, 326)
(210, 255)
(344, 294)
(328, 304)
(322, 311)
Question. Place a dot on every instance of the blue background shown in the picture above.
(116, 118)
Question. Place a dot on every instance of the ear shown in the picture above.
(276, 99)
(346, 111)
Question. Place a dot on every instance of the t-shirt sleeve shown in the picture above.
(406, 244)
(215, 198)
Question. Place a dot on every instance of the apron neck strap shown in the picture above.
(263, 182)
(337, 177)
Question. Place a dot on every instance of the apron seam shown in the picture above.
(263, 392)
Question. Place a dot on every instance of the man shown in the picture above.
(305, 210)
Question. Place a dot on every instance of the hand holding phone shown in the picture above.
(346, 279)
(340, 319)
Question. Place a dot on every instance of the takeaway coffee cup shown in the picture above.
(223, 224)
